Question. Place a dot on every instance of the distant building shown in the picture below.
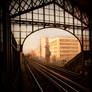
(44, 49)
(32, 54)
(58, 49)
(37, 52)
(64, 48)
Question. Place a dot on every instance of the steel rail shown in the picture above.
(56, 78)
(57, 84)
(65, 78)
(41, 90)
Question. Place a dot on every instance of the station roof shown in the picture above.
(84, 4)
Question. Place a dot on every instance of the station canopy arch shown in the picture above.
(54, 14)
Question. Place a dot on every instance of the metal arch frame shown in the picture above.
(67, 5)
(56, 28)
(44, 24)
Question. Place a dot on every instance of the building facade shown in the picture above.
(64, 48)
(58, 49)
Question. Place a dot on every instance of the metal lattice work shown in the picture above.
(18, 7)
(52, 15)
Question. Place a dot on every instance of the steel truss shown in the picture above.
(20, 9)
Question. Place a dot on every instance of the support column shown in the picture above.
(6, 44)
(20, 46)
(64, 14)
(73, 20)
(90, 34)
(90, 45)
(44, 14)
(54, 15)
(32, 18)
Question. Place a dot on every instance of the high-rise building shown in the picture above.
(44, 49)
(64, 48)
(59, 48)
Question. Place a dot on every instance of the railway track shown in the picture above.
(71, 75)
(49, 80)
(42, 82)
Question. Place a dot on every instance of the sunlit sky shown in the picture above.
(33, 41)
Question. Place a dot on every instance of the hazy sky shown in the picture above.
(33, 41)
